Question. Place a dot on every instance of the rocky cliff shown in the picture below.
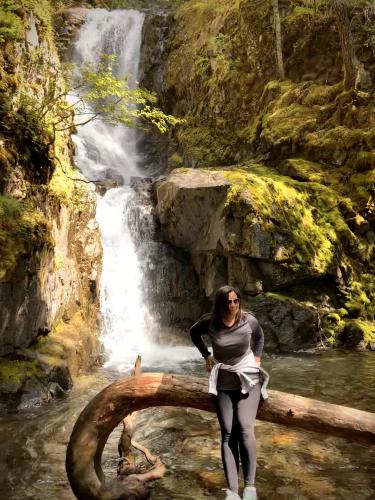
(278, 195)
(50, 249)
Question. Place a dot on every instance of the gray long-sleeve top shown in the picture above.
(229, 344)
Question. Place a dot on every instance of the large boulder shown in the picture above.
(190, 205)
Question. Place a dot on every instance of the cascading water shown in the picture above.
(109, 152)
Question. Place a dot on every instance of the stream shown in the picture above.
(292, 464)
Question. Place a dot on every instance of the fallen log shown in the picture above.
(115, 402)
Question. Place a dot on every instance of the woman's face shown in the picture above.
(233, 303)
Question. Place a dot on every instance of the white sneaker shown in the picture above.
(231, 495)
(249, 493)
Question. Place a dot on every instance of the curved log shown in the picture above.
(112, 404)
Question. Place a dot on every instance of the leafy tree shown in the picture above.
(95, 92)
(35, 114)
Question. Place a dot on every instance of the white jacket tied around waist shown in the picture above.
(245, 368)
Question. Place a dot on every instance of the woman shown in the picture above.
(237, 342)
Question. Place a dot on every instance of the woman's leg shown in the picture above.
(229, 438)
(246, 412)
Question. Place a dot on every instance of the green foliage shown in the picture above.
(11, 25)
(114, 101)
(33, 116)
(22, 123)
(21, 229)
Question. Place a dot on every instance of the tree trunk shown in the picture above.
(114, 403)
(279, 47)
(340, 11)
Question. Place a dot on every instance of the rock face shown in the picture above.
(50, 258)
(52, 284)
(288, 324)
(153, 146)
(297, 218)
(230, 239)
(67, 23)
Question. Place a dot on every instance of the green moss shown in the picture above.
(338, 139)
(306, 214)
(321, 95)
(365, 160)
(367, 329)
(281, 297)
(61, 186)
(288, 124)
(11, 25)
(205, 146)
(175, 160)
(304, 170)
(358, 332)
(14, 372)
(58, 262)
(22, 228)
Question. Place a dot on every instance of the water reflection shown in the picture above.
(292, 464)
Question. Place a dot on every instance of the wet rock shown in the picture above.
(52, 284)
(288, 325)
(67, 23)
(359, 334)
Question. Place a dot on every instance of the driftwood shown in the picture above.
(127, 464)
(114, 403)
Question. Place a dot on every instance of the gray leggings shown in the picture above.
(236, 413)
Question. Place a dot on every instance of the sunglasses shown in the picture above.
(234, 301)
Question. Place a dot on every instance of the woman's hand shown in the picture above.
(257, 359)
(210, 363)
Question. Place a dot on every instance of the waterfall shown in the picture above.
(109, 152)
(105, 151)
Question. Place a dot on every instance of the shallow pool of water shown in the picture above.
(291, 464)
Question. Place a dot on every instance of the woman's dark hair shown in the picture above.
(220, 306)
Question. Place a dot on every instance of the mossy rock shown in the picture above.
(358, 332)
(302, 170)
(13, 374)
(303, 218)
(22, 229)
(205, 146)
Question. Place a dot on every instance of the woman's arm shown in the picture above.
(197, 330)
(257, 338)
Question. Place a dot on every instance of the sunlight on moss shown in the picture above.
(21, 229)
(302, 213)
